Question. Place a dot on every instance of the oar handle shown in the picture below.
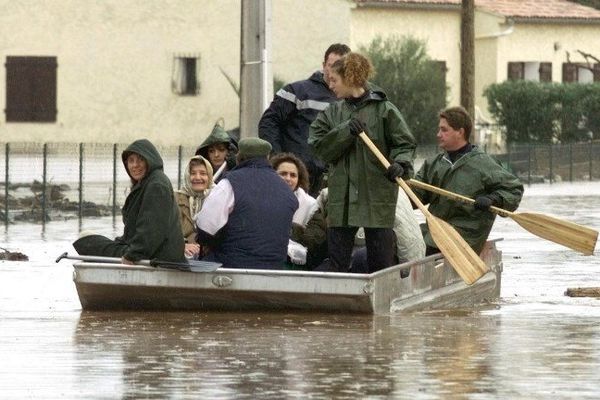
(110, 260)
(367, 140)
(454, 196)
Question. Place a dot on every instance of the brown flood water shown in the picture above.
(535, 344)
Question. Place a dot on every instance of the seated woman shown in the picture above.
(308, 245)
(219, 148)
(198, 180)
(150, 215)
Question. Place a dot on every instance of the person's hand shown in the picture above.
(126, 261)
(395, 170)
(356, 127)
(483, 203)
(191, 249)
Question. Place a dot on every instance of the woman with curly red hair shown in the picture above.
(361, 193)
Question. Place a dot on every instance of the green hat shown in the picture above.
(254, 147)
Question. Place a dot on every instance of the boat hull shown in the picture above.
(431, 284)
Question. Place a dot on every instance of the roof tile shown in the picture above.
(550, 9)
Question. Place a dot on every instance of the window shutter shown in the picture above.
(31, 89)
(597, 72)
(516, 71)
(545, 72)
(569, 72)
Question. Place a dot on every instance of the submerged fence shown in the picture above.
(40, 182)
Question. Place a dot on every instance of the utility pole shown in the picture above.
(256, 77)
(467, 56)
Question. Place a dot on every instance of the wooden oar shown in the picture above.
(190, 265)
(568, 234)
(454, 248)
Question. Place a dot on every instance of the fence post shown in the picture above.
(179, 153)
(570, 162)
(44, 174)
(551, 164)
(529, 164)
(591, 157)
(114, 185)
(6, 183)
(80, 181)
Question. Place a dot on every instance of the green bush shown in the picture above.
(411, 80)
(545, 112)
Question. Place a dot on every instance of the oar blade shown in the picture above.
(456, 251)
(577, 237)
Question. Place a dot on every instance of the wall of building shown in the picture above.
(302, 31)
(440, 29)
(115, 62)
(547, 43)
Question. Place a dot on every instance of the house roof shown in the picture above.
(518, 9)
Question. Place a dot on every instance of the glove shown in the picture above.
(483, 203)
(395, 170)
(356, 127)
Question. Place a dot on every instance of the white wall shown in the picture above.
(114, 66)
(115, 62)
(440, 29)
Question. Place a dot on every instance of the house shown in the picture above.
(540, 40)
(117, 70)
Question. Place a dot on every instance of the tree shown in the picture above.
(589, 3)
(412, 81)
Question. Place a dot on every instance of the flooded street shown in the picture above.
(535, 344)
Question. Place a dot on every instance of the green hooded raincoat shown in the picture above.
(150, 214)
(474, 174)
(359, 192)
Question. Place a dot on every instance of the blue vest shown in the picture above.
(257, 232)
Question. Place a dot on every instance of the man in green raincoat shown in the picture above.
(464, 169)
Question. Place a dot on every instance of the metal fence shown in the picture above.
(56, 181)
(554, 163)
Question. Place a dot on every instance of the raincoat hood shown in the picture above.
(217, 135)
(146, 149)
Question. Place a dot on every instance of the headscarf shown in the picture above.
(196, 198)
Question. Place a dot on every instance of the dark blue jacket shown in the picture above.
(257, 231)
(285, 123)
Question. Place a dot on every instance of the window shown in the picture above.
(185, 80)
(30, 89)
(581, 73)
(530, 71)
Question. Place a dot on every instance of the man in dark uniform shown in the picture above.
(285, 123)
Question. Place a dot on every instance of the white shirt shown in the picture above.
(216, 208)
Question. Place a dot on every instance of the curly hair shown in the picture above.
(277, 159)
(355, 69)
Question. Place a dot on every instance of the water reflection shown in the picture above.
(295, 356)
